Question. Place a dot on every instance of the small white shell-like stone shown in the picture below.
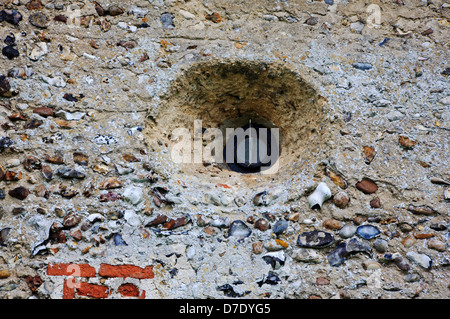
(320, 195)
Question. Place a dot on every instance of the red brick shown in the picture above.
(125, 271)
(92, 290)
(68, 292)
(62, 269)
(129, 290)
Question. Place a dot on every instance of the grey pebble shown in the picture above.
(380, 245)
(347, 231)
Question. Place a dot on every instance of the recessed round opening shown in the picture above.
(251, 148)
(215, 96)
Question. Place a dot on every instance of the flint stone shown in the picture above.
(315, 239)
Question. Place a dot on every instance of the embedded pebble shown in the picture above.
(275, 244)
(315, 239)
(280, 227)
(10, 16)
(347, 231)
(380, 245)
(422, 210)
(119, 241)
(133, 194)
(375, 203)
(307, 256)
(367, 231)
(367, 186)
(341, 199)
(10, 52)
(437, 245)
(332, 224)
(420, 259)
(275, 259)
(67, 172)
(238, 229)
(262, 224)
(39, 20)
(37, 51)
(338, 255)
(362, 66)
(19, 192)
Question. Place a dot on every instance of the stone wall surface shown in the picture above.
(93, 206)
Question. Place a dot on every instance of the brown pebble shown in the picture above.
(13, 175)
(44, 111)
(341, 199)
(369, 154)
(57, 159)
(77, 235)
(358, 220)
(34, 5)
(68, 192)
(47, 172)
(160, 219)
(130, 158)
(375, 203)
(71, 220)
(80, 158)
(336, 178)
(367, 186)
(127, 44)
(4, 273)
(321, 281)
(437, 245)
(332, 224)
(16, 116)
(427, 31)
(31, 162)
(115, 10)
(421, 210)
(257, 247)
(423, 235)
(262, 224)
(210, 230)
(406, 142)
(19, 192)
(110, 182)
(214, 17)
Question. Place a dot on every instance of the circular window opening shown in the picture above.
(252, 148)
(276, 120)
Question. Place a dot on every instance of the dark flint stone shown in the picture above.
(4, 85)
(315, 239)
(338, 255)
(19, 192)
(271, 279)
(362, 66)
(367, 231)
(355, 246)
(118, 240)
(280, 226)
(10, 52)
(5, 142)
(10, 16)
(70, 173)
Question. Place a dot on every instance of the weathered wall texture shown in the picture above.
(90, 92)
